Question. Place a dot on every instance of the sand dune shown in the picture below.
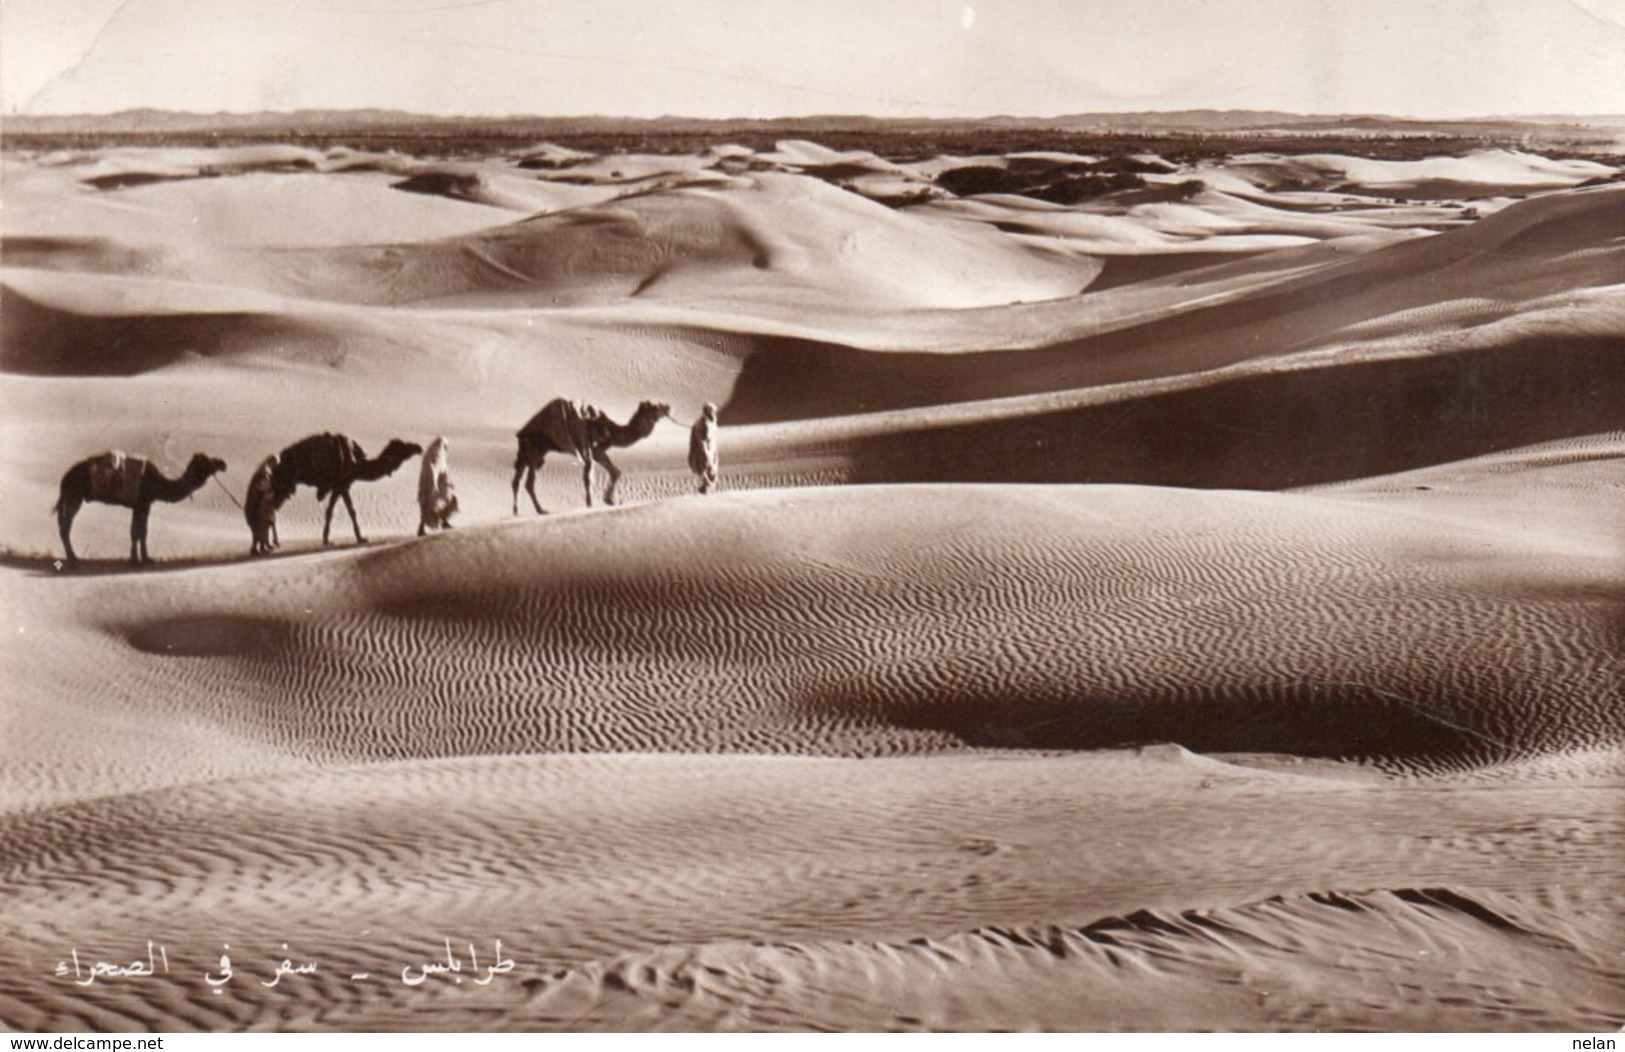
(1181, 969)
(217, 213)
(1485, 173)
(769, 232)
(783, 623)
(1234, 431)
(1080, 891)
(1144, 613)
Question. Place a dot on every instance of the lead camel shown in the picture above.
(564, 426)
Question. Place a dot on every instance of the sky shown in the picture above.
(770, 58)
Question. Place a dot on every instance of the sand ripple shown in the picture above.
(871, 621)
(1094, 891)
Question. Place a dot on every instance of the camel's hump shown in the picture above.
(561, 411)
(115, 476)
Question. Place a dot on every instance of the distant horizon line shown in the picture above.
(395, 112)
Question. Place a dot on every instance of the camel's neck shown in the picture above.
(171, 491)
(373, 470)
(635, 430)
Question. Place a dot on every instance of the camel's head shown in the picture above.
(203, 466)
(654, 412)
(399, 452)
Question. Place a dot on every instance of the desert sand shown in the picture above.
(1194, 608)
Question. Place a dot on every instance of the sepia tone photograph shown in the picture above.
(918, 515)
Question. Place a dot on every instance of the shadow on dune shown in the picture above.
(38, 340)
(1346, 721)
(87, 254)
(1541, 247)
(53, 566)
(1131, 270)
(786, 378)
(1286, 429)
(219, 635)
(127, 180)
(459, 186)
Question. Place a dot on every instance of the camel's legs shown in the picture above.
(138, 534)
(530, 487)
(602, 457)
(65, 513)
(264, 539)
(527, 470)
(327, 523)
(586, 478)
(354, 524)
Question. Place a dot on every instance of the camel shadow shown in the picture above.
(52, 566)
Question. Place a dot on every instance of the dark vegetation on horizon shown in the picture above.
(1200, 137)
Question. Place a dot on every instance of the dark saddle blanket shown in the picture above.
(115, 477)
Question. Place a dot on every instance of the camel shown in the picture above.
(564, 426)
(128, 482)
(702, 448)
(331, 464)
(259, 508)
(437, 498)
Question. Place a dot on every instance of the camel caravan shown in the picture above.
(331, 463)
